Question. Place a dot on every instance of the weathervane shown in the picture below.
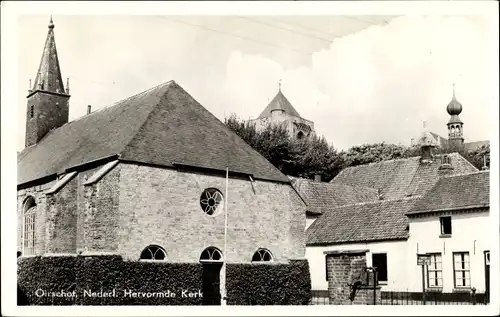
(279, 85)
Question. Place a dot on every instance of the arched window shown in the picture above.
(300, 135)
(153, 252)
(262, 255)
(29, 213)
(211, 201)
(211, 254)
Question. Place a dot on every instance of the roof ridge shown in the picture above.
(381, 201)
(465, 174)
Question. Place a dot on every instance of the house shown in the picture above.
(450, 225)
(377, 222)
(281, 111)
(147, 178)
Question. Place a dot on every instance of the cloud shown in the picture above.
(381, 83)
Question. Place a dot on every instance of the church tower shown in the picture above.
(48, 101)
(455, 125)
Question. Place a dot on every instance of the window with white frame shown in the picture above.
(29, 226)
(153, 252)
(461, 269)
(435, 271)
(445, 225)
(262, 255)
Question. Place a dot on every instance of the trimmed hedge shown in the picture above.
(107, 280)
(269, 284)
(55, 280)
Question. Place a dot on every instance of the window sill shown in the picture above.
(434, 290)
(445, 235)
(382, 283)
(462, 290)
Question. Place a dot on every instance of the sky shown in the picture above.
(359, 78)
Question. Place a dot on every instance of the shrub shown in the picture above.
(112, 281)
(269, 284)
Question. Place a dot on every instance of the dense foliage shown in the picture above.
(50, 280)
(269, 284)
(315, 156)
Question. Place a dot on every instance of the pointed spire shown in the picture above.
(49, 73)
(279, 85)
(454, 90)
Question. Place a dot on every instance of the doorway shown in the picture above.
(211, 259)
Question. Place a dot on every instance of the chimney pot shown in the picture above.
(89, 109)
(317, 178)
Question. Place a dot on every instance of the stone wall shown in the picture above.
(344, 269)
(38, 193)
(162, 206)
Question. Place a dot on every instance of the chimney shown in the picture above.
(426, 155)
(67, 86)
(317, 178)
(29, 88)
(89, 109)
(485, 167)
(379, 194)
(445, 167)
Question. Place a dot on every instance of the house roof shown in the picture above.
(321, 196)
(279, 102)
(442, 142)
(402, 177)
(163, 126)
(362, 222)
(457, 192)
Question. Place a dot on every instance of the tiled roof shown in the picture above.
(456, 192)
(321, 196)
(163, 126)
(370, 221)
(401, 178)
(279, 102)
(442, 142)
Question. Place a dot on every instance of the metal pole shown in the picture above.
(224, 291)
(423, 284)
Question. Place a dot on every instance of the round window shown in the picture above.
(211, 201)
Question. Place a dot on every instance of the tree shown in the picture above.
(300, 158)
(369, 153)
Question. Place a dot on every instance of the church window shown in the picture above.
(29, 226)
(211, 254)
(32, 111)
(153, 252)
(211, 201)
(300, 135)
(262, 255)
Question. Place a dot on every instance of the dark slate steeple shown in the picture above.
(48, 101)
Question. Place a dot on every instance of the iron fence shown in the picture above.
(320, 297)
(432, 298)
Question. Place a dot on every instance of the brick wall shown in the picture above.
(50, 112)
(61, 219)
(134, 206)
(345, 268)
(101, 217)
(162, 206)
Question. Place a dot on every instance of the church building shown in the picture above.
(281, 111)
(148, 178)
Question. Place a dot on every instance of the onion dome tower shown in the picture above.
(455, 125)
